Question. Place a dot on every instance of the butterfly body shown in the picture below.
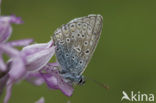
(75, 44)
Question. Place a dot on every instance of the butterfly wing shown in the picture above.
(76, 42)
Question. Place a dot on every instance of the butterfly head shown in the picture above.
(81, 81)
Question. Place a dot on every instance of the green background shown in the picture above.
(125, 58)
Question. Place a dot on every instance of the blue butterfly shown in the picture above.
(75, 44)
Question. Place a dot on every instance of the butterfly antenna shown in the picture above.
(99, 83)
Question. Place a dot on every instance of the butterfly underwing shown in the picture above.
(75, 44)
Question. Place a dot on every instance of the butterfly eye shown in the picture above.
(84, 26)
(61, 42)
(79, 25)
(68, 40)
(73, 57)
(85, 43)
(78, 34)
(67, 55)
(83, 36)
(72, 26)
(81, 62)
(87, 51)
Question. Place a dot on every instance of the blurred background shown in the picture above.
(125, 58)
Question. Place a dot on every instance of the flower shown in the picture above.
(11, 66)
(8, 48)
(9, 72)
(3, 81)
(31, 63)
(33, 60)
(37, 57)
(5, 26)
(55, 81)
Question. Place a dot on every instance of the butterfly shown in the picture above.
(75, 44)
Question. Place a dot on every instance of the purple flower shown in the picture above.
(55, 81)
(5, 26)
(8, 47)
(38, 55)
(5, 33)
(11, 69)
(37, 58)
(31, 63)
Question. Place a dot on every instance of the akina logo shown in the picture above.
(137, 96)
